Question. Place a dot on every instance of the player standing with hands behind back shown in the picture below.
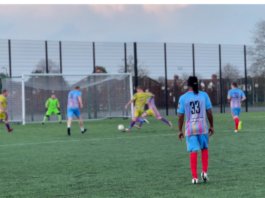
(74, 102)
(196, 105)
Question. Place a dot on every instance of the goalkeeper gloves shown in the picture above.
(59, 108)
(46, 109)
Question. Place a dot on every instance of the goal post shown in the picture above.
(103, 95)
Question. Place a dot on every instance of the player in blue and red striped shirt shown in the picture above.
(236, 96)
(196, 105)
(73, 105)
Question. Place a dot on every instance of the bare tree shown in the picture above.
(161, 79)
(257, 52)
(52, 82)
(230, 72)
(41, 67)
(142, 70)
(3, 75)
(100, 69)
(185, 76)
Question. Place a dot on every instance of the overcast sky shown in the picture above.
(226, 24)
(199, 24)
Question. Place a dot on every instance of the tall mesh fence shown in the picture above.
(207, 71)
(255, 79)
(4, 58)
(151, 71)
(161, 67)
(179, 68)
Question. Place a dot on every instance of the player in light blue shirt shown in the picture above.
(236, 96)
(196, 105)
(73, 105)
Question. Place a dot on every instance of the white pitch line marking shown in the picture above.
(54, 142)
(117, 138)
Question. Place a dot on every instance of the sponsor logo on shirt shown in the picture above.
(196, 120)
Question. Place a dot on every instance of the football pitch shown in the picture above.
(42, 161)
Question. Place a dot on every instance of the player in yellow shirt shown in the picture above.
(139, 98)
(3, 109)
(152, 111)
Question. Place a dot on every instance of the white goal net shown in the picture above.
(103, 95)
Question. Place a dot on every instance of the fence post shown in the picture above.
(125, 58)
(62, 82)
(10, 74)
(193, 58)
(94, 87)
(10, 59)
(88, 98)
(220, 79)
(165, 57)
(60, 54)
(47, 71)
(31, 97)
(125, 70)
(135, 65)
(46, 56)
(94, 58)
(246, 76)
(176, 95)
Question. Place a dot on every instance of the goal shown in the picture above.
(103, 95)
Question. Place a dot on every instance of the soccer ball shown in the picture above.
(121, 127)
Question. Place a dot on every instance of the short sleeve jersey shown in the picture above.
(3, 101)
(236, 95)
(194, 107)
(140, 99)
(151, 102)
(52, 104)
(73, 99)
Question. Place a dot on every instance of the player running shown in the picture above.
(196, 105)
(152, 111)
(139, 98)
(74, 102)
(52, 106)
(3, 109)
(236, 96)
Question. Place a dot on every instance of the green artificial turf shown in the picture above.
(42, 161)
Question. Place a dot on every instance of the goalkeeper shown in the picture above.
(52, 106)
